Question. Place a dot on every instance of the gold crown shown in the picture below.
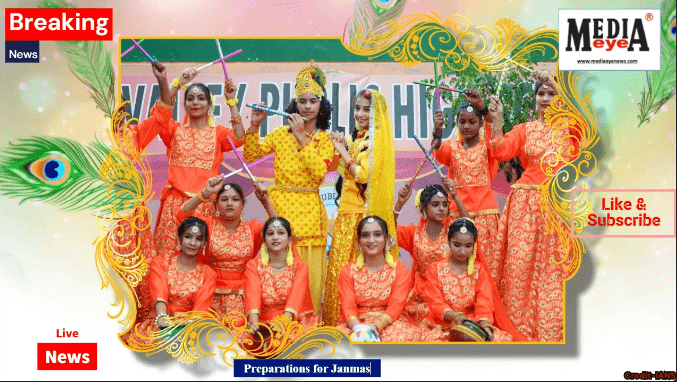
(310, 79)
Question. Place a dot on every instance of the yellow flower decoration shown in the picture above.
(417, 201)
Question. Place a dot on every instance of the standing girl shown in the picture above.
(303, 155)
(366, 186)
(194, 148)
(525, 261)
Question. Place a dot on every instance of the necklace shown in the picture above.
(310, 139)
(280, 267)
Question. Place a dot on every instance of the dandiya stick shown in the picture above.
(500, 83)
(272, 111)
(439, 172)
(413, 178)
(251, 176)
(141, 49)
(130, 49)
(235, 53)
(520, 65)
(254, 163)
(442, 87)
(223, 63)
(437, 85)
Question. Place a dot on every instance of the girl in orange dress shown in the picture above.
(458, 288)
(232, 241)
(277, 282)
(178, 282)
(427, 240)
(194, 148)
(374, 288)
(523, 260)
(472, 165)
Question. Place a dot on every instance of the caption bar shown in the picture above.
(307, 368)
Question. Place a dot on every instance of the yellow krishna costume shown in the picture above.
(299, 172)
(376, 168)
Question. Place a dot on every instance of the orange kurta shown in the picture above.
(194, 156)
(470, 294)
(415, 240)
(369, 295)
(270, 294)
(472, 171)
(523, 259)
(228, 253)
(182, 291)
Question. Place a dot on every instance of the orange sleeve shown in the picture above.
(346, 288)
(400, 292)
(159, 122)
(511, 144)
(256, 228)
(433, 292)
(205, 295)
(159, 286)
(443, 154)
(224, 133)
(484, 301)
(335, 162)
(299, 286)
(252, 296)
(492, 165)
(405, 237)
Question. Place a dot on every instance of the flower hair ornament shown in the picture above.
(417, 200)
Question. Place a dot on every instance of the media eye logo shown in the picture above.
(22, 51)
(619, 39)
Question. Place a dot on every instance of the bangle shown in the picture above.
(177, 84)
(484, 111)
(202, 198)
(350, 164)
(397, 212)
(232, 102)
(235, 121)
(456, 314)
(253, 125)
(158, 316)
(164, 105)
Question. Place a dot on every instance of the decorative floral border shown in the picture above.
(122, 260)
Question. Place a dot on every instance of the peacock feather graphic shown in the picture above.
(370, 17)
(660, 87)
(90, 62)
(59, 171)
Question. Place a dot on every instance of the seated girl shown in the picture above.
(374, 288)
(458, 288)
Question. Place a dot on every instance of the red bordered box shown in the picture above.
(674, 213)
(61, 356)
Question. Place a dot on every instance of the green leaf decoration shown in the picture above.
(90, 62)
(660, 84)
(58, 171)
